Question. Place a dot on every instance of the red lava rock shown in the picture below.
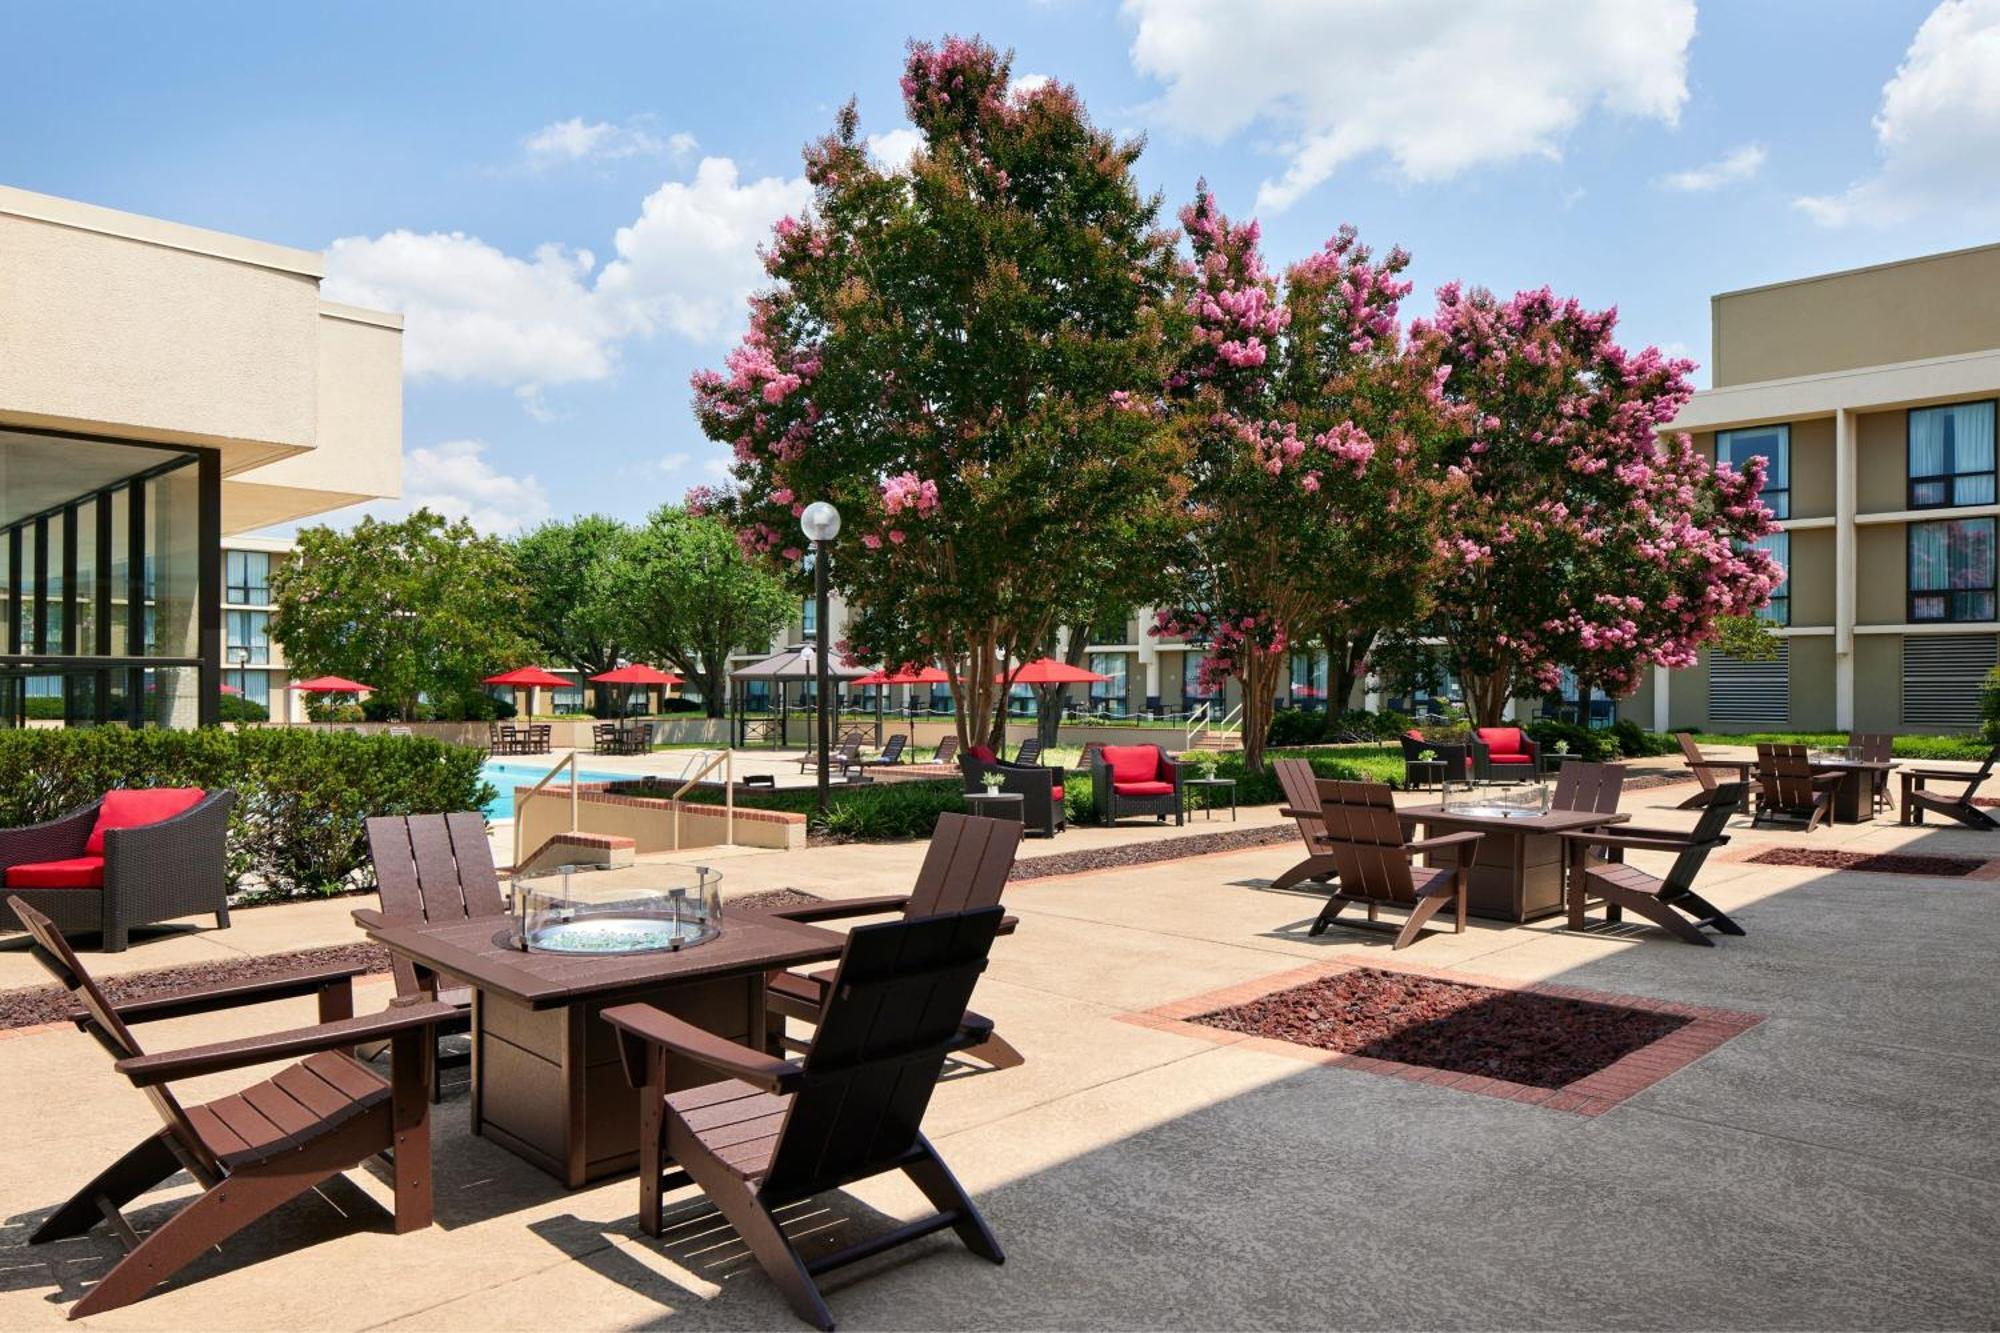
(1885, 863)
(1543, 1041)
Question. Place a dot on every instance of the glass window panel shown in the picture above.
(1951, 570)
(86, 577)
(173, 551)
(121, 564)
(30, 640)
(1951, 455)
(1111, 665)
(1779, 544)
(1772, 443)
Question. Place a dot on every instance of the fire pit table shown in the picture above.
(546, 1080)
(1517, 871)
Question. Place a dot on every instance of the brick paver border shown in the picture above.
(1591, 1095)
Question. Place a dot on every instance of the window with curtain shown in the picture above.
(1951, 570)
(1111, 690)
(809, 619)
(249, 630)
(1772, 443)
(1779, 609)
(247, 578)
(1191, 690)
(1308, 680)
(1951, 455)
(252, 685)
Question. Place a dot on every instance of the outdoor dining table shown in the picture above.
(1517, 869)
(546, 1080)
(1854, 803)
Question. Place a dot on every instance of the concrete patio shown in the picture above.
(1833, 1166)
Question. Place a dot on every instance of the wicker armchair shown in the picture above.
(1040, 787)
(145, 872)
(1505, 754)
(1454, 757)
(1136, 780)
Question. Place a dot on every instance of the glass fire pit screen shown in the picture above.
(611, 910)
(1521, 802)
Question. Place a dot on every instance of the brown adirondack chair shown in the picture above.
(256, 1149)
(966, 866)
(1301, 789)
(1705, 769)
(1918, 799)
(1592, 787)
(1372, 858)
(1875, 747)
(1787, 786)
(774, 1131)
(433, 868)
(1670, 903)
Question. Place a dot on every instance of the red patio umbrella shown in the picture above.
(636, 673)
(903, 676)
(533, 678)
(330, 685)
(1048, 671)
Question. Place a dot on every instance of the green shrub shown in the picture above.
(1904, 747)
(1635, 742)
(1989, 707)
(1595, 746)
(1297, 726)
(301, 795)
(235, 708)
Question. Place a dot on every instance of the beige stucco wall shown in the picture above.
(1878, 660)
(1812, 694)
(1811, 579)
(1881, 585)
(1937, 305)
(1812, 468)
(1881, 462)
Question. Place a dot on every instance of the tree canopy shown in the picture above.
(572, 614)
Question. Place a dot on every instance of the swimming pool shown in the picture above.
(505, 775)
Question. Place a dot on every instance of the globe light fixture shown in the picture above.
(821, 524)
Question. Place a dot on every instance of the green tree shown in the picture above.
(421, 609)
(948, 353)
(573, 612)
(688, 596)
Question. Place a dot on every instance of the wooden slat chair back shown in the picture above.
(966, 865)
(1786, 784)
(1874, 747)
(433, 868)
(947, 751)
(1301, 788)
(1707, 835)
(1371, 856)
(1595, 788)
(1669, 901)
(1696, 762)
(1030, 752)
(892, 753)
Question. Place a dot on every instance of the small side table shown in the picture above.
(1423, 773)
(995, 804)
(1552, 763)
(1214, 788)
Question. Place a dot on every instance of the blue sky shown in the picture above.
(565, 199)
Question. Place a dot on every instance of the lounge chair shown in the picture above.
(1505, 754)
(433, 868)
(1918, 799)
(965, 866)
(256, 1149)
(1787, 787)
(1372, 860)
(1030, 751)
(1136, 780)
(1301, 789)
(892, 754)
(133, 857)
(774, 1132)
(845, 751)
(1705, 770)
(1043, 809)
(1874, 747)
(1670, 903)
(947, 750)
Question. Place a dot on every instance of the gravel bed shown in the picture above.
(1142, 853)
(1644, 780)
(770, 900)
(1544, 1041)
(1884, 863)
(31, 1005)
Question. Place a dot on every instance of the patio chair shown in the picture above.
(1454, 757)
(1040, 787)
(1875, 747)
(497, 739)
(1586, 786)
(1705, 770)
(892, 754)
(965, 867)
(1301, 789)
(1030, 751)
(1671, 902)
(1918, 799)
(947, 750)
(1371, 857)
(1788, 787)
(774, 1132)
(606, 738)
(1136, 780)
(431, 868)
(1505, 754)
(252, 1150)
(133, 857)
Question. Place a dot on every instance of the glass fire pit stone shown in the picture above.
(606, 911)
(1522, 802)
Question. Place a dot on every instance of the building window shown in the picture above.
(1951, 455)
(248, 631)
(1779, 610)
(809, 619)
(1110, 691)
(252, 685)
(1308, 680)
(1191, 690)
(1771, 443)
(247, 578)
(1951, 570)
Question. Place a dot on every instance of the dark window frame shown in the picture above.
(1764, 496)
(1991, 588)
(1912, 481)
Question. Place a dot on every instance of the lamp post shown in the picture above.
(821, 524)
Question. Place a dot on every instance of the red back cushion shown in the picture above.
(983, 753)
(1414, 734)
(131, 807)
(1501, 740)
(1132, 763)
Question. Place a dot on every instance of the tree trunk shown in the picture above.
(1486, 697)
(1258, 677)
(1346, 662)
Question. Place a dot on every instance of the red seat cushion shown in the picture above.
(1501, 741)
(79, 872)
(1143, 788)
(1131, 763)
(1508, 759)
(1414, 734)
(983, 753)
(134, 806)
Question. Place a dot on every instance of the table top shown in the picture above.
(1882, 764)
(1555, 821)
(750, 943)
(1208, 782)
(993, 796)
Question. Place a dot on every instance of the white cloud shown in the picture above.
(673, 462)
(717, 468)
(565, 142)
(474, 313)
(456, 480)
(1436, 86)
(1733, 167)
(1939, 127)
(894, 149)
(1022, 85)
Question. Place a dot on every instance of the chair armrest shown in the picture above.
(55, 839)
(369, 918)
(641, 1026)
(1735, 765)
(1939, 774)
(1463, 839)
(1649, 840)
(837, 909)
(234, 994)
(168, 1066)
(1289, 813)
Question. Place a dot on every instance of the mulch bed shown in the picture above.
(1885, 863)
(1642, 781)
(1542, 1041)
(1141, 853)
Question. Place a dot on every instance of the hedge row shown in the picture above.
(301, 795)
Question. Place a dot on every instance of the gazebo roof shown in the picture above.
(800, 662)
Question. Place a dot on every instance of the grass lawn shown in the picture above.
(1906, 747)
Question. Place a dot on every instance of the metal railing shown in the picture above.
(702, 762)
(521, 802)
(1198, 722)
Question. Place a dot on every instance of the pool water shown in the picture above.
(505, 775)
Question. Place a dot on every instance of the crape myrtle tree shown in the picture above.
(1309, 428)
(1578, 535)
(942, 354)
(422, 609)
(573, 615)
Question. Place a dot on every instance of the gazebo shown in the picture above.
(800, 662)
